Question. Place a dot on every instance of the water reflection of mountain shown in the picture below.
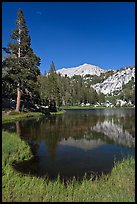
(114, 132)
(101, 133)
(82, 143)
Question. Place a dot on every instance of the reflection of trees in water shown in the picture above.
(33, 145)
(18, 129)
(110, 129)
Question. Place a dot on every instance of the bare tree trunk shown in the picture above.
(18, 86)
(18, 98)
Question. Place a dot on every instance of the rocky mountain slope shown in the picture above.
(116, 81)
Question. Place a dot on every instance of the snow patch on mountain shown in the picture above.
(81, 70)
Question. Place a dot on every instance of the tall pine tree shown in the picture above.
(21, 65)
(54, 88)
(52, 68)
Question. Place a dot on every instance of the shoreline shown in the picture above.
(92, 107)
(25, 115)
(22, 115)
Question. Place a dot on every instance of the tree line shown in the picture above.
(67, 91)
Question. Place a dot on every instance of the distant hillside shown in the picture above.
(104, 81)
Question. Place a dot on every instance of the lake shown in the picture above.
(76, 143)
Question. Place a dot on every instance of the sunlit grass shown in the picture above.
(58, 112)
(119, 186)
(17, 116)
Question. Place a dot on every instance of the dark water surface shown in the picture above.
(77, 142)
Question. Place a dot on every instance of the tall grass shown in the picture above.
(117, 187)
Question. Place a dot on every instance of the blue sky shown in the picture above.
(74, 33)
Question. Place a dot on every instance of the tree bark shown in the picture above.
(18, 99)
(18, 87)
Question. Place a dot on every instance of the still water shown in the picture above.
(76, 143)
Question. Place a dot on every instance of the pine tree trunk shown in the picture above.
(18, 87)
(18, 99)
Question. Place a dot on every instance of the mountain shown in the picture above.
(81, 70)
(108, 82)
